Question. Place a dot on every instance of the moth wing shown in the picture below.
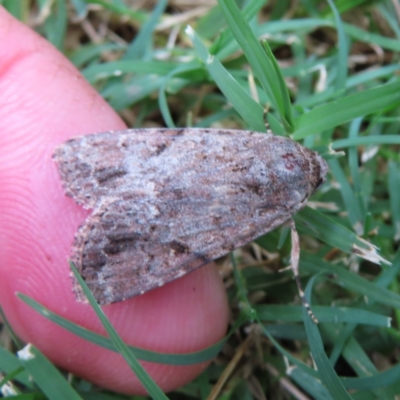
(97, 165)
(93, 166)
(167, 202)
(122, 253)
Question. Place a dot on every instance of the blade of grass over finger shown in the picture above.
(145, 379)
(145, 355)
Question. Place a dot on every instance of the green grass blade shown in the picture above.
(364, 367)
(372, 38)
(145, 379)
(145, 355)
(10, 363)
(350, 199)
(119, 8)
(323, 314)
(142, 42)
(121, 95)
(90, 52)
(56, 24)
(325, 369)
(19, 9)
(365, 77)
(349, 280)
(261, 64)
(307, 25)
(388, 12)
(394, 192)
(117, 68)
(10, 330)
(342, 100)
(182, 70)
(286, 103)
(226, 45)
(371, 381)
(342, 56)
(248, 109)
(45, 375)
(80, 7)
(365, 140)
(310, 384)
(347, 108)
(361, 201)
(329, 231)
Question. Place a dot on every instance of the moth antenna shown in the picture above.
(294, 261)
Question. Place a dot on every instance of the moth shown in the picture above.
(167, 201)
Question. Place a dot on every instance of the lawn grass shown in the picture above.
(328, 74)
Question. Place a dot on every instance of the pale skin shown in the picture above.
(44, 101)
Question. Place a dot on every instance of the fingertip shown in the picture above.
(44, 101)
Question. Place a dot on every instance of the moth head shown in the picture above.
(302, 174)
(317, 175)
(319, 168)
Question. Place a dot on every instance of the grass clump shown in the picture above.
(328, 73)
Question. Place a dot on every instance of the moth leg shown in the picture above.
(294, 261)
(265, 114)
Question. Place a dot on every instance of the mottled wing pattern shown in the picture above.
(166, 202)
